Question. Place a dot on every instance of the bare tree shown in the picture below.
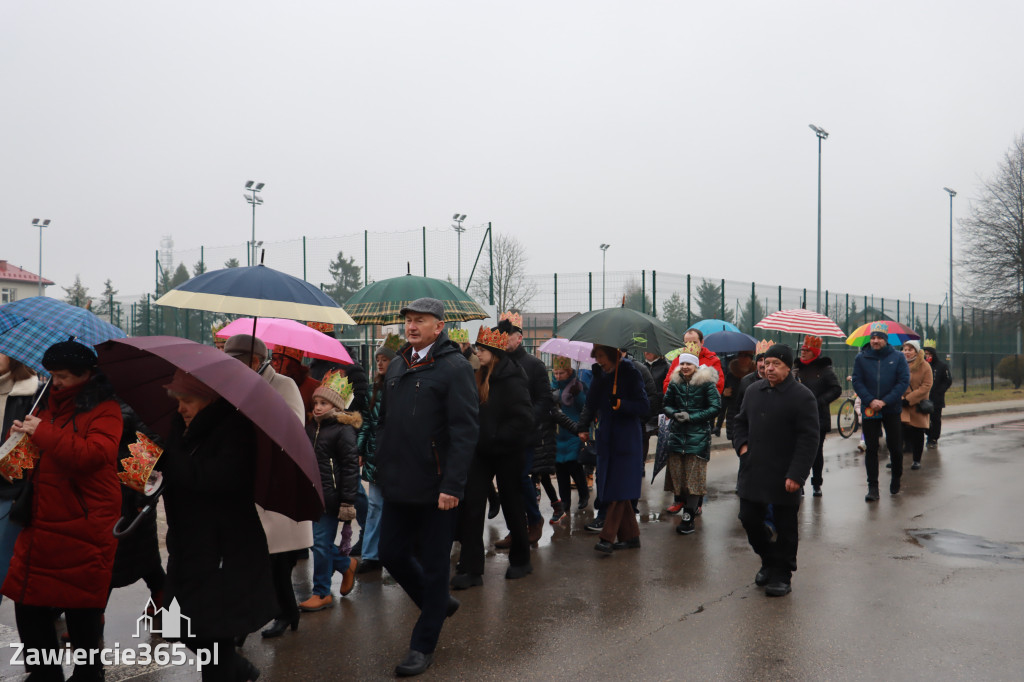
(513, 288)
(992, 259)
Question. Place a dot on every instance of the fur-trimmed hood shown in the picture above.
(353, 419)
(703, 375)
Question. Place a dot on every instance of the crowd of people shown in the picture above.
(446, 434)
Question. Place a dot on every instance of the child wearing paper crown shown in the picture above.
(332, 431)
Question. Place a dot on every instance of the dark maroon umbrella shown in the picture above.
(287, 476)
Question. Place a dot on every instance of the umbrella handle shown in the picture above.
(41, 394)
(615, 383)
(120, 532)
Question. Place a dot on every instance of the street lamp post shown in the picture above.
(604, 259)
(822, 135)
(41, 225)
(459, 229)
(252, 196)
(949, 314)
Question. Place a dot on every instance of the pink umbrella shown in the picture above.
(291, 334)
(574, 350)
(800, 321)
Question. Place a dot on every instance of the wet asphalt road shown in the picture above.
(928, 584)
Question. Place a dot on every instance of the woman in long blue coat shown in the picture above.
(619, 403)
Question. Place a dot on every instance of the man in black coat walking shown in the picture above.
(427, 433)
(942, 380)
(776, 436)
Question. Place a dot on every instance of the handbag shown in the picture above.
(926, 406)
(588, 454)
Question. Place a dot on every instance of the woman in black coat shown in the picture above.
(218, 565)
(814, 371)
(942, 380)
(506, 421)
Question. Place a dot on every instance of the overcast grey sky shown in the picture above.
(676, 131)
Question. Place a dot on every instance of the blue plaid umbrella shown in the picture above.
(29, 326)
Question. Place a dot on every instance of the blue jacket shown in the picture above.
(568, 444)
(883, 375)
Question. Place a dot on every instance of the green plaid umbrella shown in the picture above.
(379, 303)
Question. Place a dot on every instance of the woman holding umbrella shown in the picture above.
(218, 565)
(618, 401)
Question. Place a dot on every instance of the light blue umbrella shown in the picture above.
(708, 327)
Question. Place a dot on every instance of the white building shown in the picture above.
(16, 284)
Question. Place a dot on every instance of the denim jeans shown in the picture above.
(533, 516)
(371, 532)
(327, 558)
(8, 535)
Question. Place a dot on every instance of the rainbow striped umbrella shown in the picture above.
(898, 333)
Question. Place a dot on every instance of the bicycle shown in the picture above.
(847, 419)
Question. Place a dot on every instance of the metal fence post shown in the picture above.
(654, 293)
(304, 279)
(722, 316)
(643, 291)
(688, 303)
(780, 297)
(554, 318)
(425, 254)
(590, 291)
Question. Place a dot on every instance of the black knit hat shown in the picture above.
(782, 352)
(69, 355)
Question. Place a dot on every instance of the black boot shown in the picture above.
(278, 627)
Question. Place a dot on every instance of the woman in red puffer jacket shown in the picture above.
(65, 555)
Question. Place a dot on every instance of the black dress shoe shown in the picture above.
(604, 547)
(777, 589)
(761, 579)
(368, 566)
(415, 663)
(517, 572)
(453, 606)
(464, 581)
(628, 544)
(872, 495)
(278, 627)
(894, 488)
(250, 672)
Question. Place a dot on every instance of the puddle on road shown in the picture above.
(953, 543)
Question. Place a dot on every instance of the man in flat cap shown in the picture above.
(880, 378)
(427, 433)
(775, 435)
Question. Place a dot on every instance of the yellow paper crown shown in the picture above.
(459, 335)
(492, 338)
(929, 343)
(762, 346)
(337, 382)
(515, 319)
(18, 454)
(692, 347)
(393, 342)
(139, 467)
(560, 362)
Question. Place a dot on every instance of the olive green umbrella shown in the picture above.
(380, 302)
(621, 328)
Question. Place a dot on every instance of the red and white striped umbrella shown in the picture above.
(801, 321)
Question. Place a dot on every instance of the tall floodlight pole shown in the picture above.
(604, 260)
(949, 313)
(252, 190)
(459, 229)
(822, 135)
(41, 225)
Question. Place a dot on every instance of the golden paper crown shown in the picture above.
(336, 383)
(692, 347)
(17, 455)
(812, 342)
(139, 467)
(393, 342)
(929, 343)
(560, 362)
(762, 346)
(293, 353)
(324, 327)
(459, 335)
(492, 338)
(515, 319)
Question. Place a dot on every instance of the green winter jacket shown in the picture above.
(699, 398)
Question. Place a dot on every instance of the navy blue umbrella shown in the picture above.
(256, 291)
(730, 342)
